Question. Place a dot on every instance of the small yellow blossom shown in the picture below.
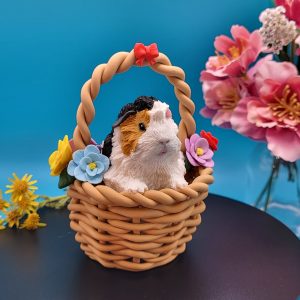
(20, 186)
(13, 218)
(1, 225)
(59, 159)
(32, 222)
(3, 204)
(27, 204)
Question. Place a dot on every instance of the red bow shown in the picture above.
(148, 53)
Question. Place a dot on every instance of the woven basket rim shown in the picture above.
(105, 195)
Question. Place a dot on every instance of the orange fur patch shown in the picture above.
(130, 131)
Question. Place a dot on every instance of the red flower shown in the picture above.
(212, 141)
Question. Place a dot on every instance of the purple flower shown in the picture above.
(198, 152)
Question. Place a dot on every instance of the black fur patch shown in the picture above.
(141, 103)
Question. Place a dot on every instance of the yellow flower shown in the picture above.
(20, 187)
(59, 159)
(26, 203)
(32, 222)
(3, 204)
(13, 218)
(1, 225)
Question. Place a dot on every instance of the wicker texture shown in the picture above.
(134, 231)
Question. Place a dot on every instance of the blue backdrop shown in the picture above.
(49, 48)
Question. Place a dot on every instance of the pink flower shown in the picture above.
(221, 98)
(292, 8)
(233, 55)
(274, 114)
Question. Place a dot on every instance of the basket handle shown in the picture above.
(119, 63)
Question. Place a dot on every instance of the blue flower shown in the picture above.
(88, 165)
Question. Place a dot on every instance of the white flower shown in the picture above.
(277, 31)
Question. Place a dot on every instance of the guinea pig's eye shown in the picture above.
(142, 127)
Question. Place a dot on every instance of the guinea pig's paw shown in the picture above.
(135, 185)
(178, 182)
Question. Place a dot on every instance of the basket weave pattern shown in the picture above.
(135, 231)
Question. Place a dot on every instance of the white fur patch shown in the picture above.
(157, 161)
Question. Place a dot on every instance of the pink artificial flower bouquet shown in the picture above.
(252, 84)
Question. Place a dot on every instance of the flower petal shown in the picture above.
(252, 70)
(209, 163)
(223, 43)
(260, 114)
(284, 142)
(240, 123)
(277, 71)
(91, 172)
(95, 179)
(84, 162)
(71, 168)
(94, 156)
(202, 143)
(187, 144)
(191, 160)
(207, 155)
(100, 167)
(77, 156)
(79, 174)
(105, 160)
(193, 139)
(239, 32)
(91, 149)
(294, 83)
(222, 118)
(207, 112)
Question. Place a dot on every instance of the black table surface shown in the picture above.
(238, 252)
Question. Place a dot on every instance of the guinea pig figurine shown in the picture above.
(144, 149)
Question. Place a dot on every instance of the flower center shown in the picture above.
(92, 166)
(13, 216)
(229, 99)
(32, 220)
(23, 203)
(287, 106)
(234, 52)
(21, 186)
(222, 59)
(199, 151)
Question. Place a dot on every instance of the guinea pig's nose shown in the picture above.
(164, 141)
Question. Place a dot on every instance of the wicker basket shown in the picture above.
(134, 231)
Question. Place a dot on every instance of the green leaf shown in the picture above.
(65, 179)
(188, 165)
(283, 56)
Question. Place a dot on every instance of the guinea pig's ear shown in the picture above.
(123, 118)
(168, 114)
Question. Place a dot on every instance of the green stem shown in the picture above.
(283, 56)
(260, 196)
(293, 49)
(48, 200)
(275, 172)
(51, 199)
(269, 184)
